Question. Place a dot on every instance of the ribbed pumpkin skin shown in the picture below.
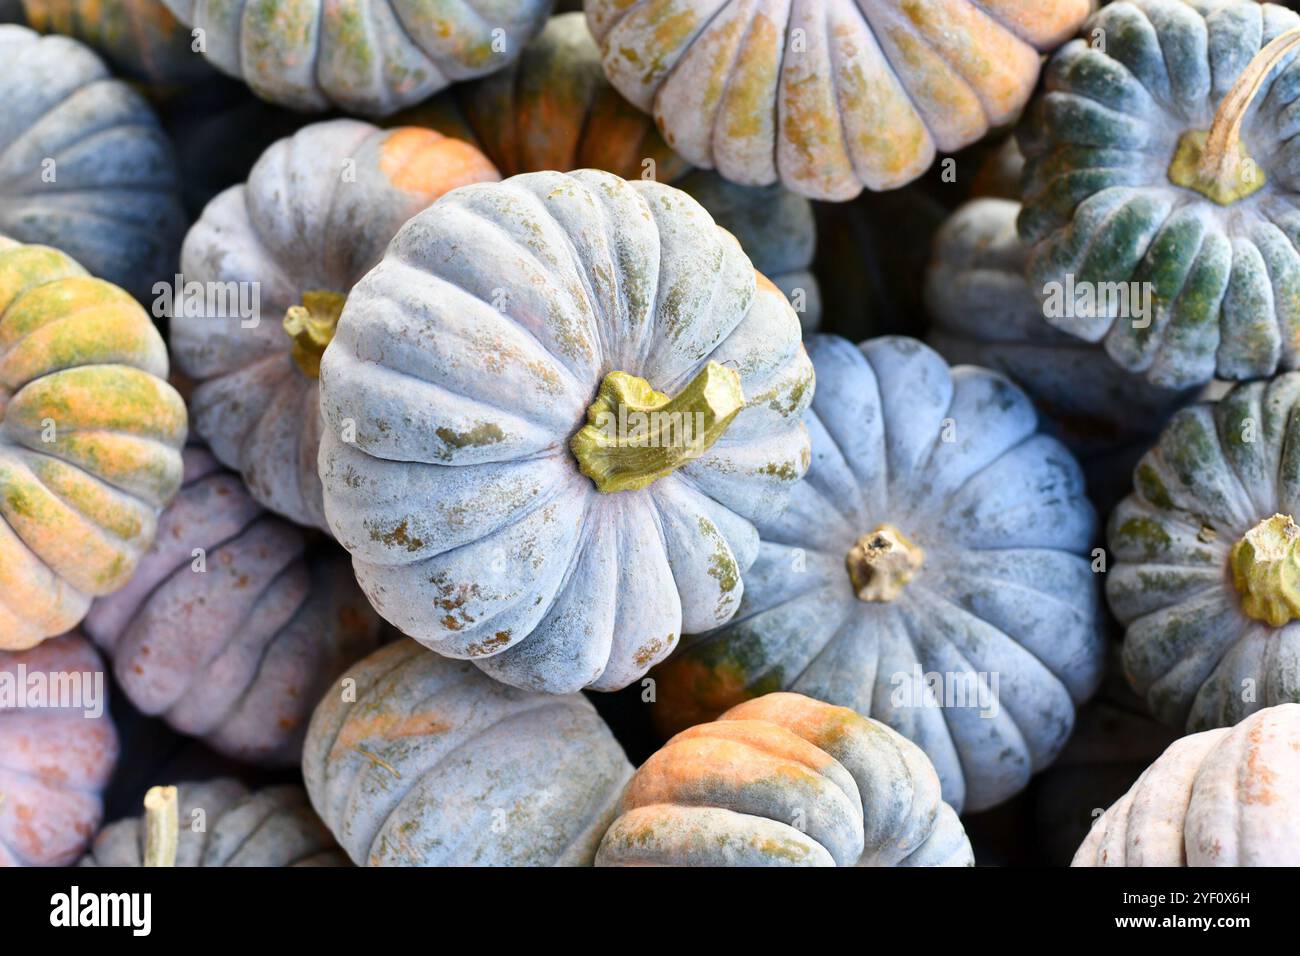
(140, 38)
(812, 93)
(553, 109)
(239, 654)
(90, 438)
(985, 313)
(466, 360)
(436, 765)
(1189, 645)
(1098, 202)
(1005, 587)
(370, 58)
(54, 763)
(1224, 797)
(298, 225)
(785, 780)
(113, 204)
(271, 827)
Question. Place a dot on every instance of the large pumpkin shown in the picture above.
(417, 760)
(83, 164)
(232, 628)
(221, 823)
(140, 38)
(316, 213)
(1224, 797)
(370, 58)
(939, 538)
(553, 412)
(553, 109)
(827, 97)
(1163, 168)
(56, 753)
(1204, 560)
(786, 781)
(90, 438)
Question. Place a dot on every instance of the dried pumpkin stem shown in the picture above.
(161, 827)
(881, 562)
(1266, 571)
(1216, 163)
(634, 435)
(311, 327)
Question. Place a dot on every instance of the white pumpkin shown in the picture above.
(1223, 797)
(456, 461)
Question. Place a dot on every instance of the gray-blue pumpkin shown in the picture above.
(937, 532)
(84, 166)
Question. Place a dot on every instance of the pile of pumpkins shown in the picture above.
(661, 432)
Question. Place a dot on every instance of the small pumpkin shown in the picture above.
(553, 413)
(221, 823)
(1223, 797)
(1164, 167)
(785, 780)
(936, 548)
(431, 763)
(56, 754)
(90, 438)
(315, 214)
(826, 97)
(232, 628)
(139, 38)
(84, 165)
(552, 108)
(1203, 560)
(371, 58)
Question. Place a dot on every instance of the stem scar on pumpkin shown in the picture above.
(1215, 162)
(311, 327)
(634, 435)
(880, 563)
(1266, 571)
(161, 827)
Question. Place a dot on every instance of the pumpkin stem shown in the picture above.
(1216, 163)
(311, 326)
(1266, 571)
(634, 435)
(161, 827)
(881, 562)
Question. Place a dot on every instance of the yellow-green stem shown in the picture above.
(1266, 571)
(161, 827)
(311, 327)
(881, 562)
(1215, 162)
(634, 435)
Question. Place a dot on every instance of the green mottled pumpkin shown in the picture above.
(55, 758)
(1152, 169)
(553, 109)
(90, 439)
(785, 780)
(418, 760)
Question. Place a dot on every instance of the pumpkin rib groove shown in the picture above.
(108, 535)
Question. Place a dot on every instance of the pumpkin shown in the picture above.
(221, 823)
(84, 166)
(56, 753)
(1163, 169)
(552, 108)
(90, 438)
(418, 760)
(140, 38)
(1202, 550)
(937, 548)
(370, 58)
(830, 97)
(985, 313)
(1223, 797)
(553, 412)
(315, 214)
(232, 628)
(785, 780)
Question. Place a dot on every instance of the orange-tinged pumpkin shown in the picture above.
(90, 438)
